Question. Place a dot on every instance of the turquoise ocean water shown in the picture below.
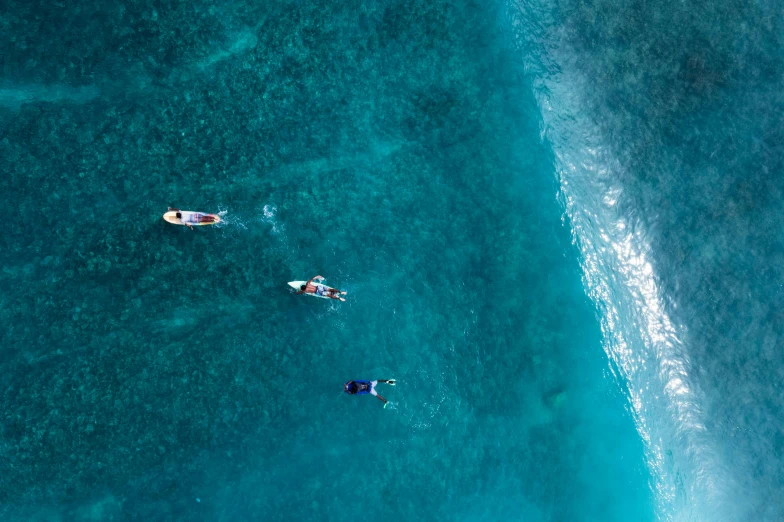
(555, 222)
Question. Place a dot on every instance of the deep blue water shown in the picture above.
(555, 222)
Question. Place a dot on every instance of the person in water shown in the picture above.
(193, 217)
(367, 387)
(320, 289)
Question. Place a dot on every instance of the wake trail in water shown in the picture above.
(15, 96)
(231, 221)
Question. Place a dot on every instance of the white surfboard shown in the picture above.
(190, 217)
(296, 285)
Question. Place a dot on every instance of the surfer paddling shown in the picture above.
(320, 289)
(367, 387)
(190, 218)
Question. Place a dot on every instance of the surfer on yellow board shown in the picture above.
(189, 218)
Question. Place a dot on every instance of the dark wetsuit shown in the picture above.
(359, 387)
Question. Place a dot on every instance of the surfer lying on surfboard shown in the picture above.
(193, 218)
(367, 387)
(320, 289)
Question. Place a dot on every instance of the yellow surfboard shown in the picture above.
(190, 217)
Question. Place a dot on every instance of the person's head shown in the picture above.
(303, 287)
(179, 215)
(350, 387)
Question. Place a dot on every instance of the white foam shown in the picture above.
(269, 213)
(640, 338)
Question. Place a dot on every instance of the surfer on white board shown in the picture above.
(192, 217)
(320, 289)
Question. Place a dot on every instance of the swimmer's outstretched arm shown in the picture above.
(306, 284)
(313, 279)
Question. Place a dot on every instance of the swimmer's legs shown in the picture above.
(391, 382)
